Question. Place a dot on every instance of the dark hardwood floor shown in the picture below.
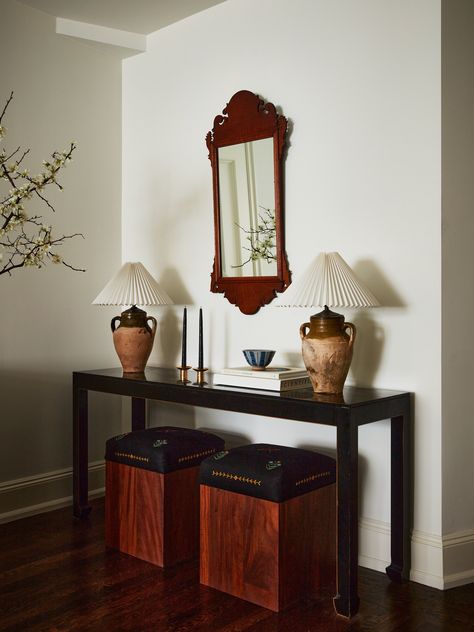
(55, 575)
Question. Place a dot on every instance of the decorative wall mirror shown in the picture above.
(246, 152)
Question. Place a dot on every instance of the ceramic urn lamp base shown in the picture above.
(133, 339)
(327, 350)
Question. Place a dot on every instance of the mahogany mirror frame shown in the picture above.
(248, 118)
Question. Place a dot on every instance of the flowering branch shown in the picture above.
(24, 239)
(262, 239)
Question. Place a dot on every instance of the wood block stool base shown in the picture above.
(269, 553)
(152, 492)
(150, 515)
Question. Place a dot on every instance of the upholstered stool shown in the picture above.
(152, 492)
(268, 532)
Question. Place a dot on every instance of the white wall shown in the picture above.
(458, 294)
(64, 90)
(360, 82)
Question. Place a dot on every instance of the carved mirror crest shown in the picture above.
(246, 153)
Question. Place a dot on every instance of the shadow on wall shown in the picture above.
(36, 422)
(326, 450)
(374, 278)
(293, 358)
(232, 440)
(30, 404)
(168, 414)
(368, 349)
(370, 340)
(169, 324)
(169, 334)
(172, 281)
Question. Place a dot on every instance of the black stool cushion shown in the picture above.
(163, 449)
(273, 472)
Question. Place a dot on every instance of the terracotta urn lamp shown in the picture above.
(327, 339)
(133, 337)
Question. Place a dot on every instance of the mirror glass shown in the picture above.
(247, 209)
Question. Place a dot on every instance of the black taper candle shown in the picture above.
(183, 345)
(200, 359)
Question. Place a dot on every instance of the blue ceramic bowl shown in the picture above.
(258, 358)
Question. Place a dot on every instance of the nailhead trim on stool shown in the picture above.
(268, 524)
(152, 492)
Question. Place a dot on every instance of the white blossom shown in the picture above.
(25, 240)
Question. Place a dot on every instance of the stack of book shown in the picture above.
(274, 379)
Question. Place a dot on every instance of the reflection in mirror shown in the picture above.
(247, 209)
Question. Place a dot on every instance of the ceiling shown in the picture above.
(138, 16)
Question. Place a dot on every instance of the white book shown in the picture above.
(245, 381)
(275, 373)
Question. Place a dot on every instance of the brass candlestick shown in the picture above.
(183, 374)
(200, 376)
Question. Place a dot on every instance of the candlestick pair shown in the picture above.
(184, 368)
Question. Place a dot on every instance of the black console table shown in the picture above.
(356, 407)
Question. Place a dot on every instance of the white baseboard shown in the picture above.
(427, 559)
(458, 579)
(40, 493)
(439, 562)
(50, 505)
(458, 549)
(374, 544)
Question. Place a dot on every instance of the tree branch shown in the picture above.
(26, 241)
(6, 106)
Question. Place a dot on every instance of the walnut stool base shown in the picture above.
(269, 553)
(150, 515)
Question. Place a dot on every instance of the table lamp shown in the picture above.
(327, 340)
(133, 337)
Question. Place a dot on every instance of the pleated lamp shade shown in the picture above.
(132, 285)
(328, 281)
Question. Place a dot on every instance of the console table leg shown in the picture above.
(346, 602)
(399, 569)
(80, 453)
(138, 413)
